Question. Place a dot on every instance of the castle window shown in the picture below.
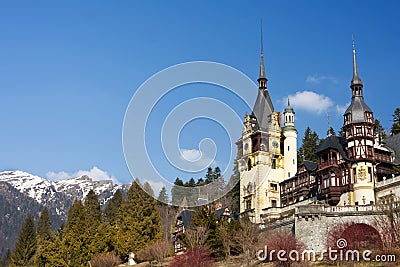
(288, 174)
(248, 204)
(274, 186)
(249, 165)
(358, 130)
(273, 164)
(370, 174)
(355, 175)
(288, 148)
(273, 203)
(333, 179)
(293, 162)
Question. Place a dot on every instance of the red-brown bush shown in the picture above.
(194, 257)
(105, 259)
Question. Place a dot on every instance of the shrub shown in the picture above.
(194, 257)
(281, 240)
(105, 259)
(158, 251)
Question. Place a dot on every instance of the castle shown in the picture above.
(347, 173)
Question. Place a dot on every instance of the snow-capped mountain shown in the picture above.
(22, 193)
(60, 194)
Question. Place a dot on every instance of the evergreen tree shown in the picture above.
(26, 246)
(113, 207)
(74, 241)
(177, 192)
(95, 231)
(331, 131)
(163, 195)
(396, 122)
(6, 260)
(209, 176)
(43, 238)
(235, 191)
(308, 147)
(200, 181)
(92, 207)
(140, 221)
(191, 183)
(148, 189)
(206, 217)
(379, 130)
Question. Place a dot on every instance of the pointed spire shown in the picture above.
(288, 108)
(262, 68)
(262, 80)
(356, 79)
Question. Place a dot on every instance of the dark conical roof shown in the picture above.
(263, 109)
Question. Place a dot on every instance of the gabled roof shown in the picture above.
(186, 217)
(394, 143)
(335, 142)
(310, 165)
(263, 109)
(220, 211)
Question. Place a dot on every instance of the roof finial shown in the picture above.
(329, 124)
(262, 68)
(356, 79)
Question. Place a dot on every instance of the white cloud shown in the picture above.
(310, 101)
(317, 79)
(197, 158)
(191, 154)
(342, 108)
(95, 173)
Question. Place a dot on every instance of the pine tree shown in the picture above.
(6, 260)
(43, 238)
(26, 246)
(310, 144)
(140, 221)
(331, 131)
(95, 228)
(163, 195)
(44, 225)
(113, 207)
(148, 189)
(177, 192)
(396, 122)
(379, 130)
(191, 183)
(74, 241)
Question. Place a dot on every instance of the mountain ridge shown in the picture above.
(23, 193)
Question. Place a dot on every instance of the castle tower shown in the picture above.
(290, 142)
(359, 127)
(259, 158)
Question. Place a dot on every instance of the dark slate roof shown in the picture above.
(310, 165)
(357, 109)
(219, 212)
(335, 142)
(187, 217)
(263, 109)
(394, 143)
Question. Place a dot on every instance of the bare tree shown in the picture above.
(196, 236)
(388, 224)
(246, 240)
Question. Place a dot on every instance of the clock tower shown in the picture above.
(260, 159)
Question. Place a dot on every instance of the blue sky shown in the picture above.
(68, 70)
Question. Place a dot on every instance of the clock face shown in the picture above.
(275, 144)
(246, 146)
